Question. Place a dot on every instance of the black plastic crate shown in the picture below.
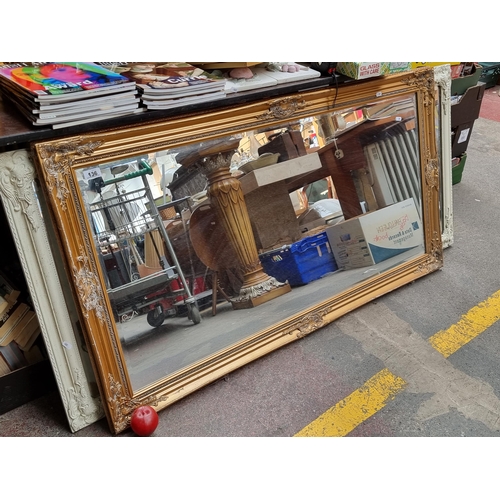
(490, 73)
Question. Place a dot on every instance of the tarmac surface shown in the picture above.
(279, 395)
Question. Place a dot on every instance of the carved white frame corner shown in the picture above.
(17, 175)
(442, 77)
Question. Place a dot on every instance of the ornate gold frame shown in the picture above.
(57, 159)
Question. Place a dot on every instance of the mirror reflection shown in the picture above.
(203, 245)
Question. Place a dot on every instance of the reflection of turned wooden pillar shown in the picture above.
(226, 197)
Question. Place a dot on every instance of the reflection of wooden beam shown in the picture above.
(353, 159)
(343, 182)
(353, 154)
(340, 172)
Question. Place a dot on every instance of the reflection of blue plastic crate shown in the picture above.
(301, 262)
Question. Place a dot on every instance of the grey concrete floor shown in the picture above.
(282, 392)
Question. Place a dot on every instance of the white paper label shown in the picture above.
(92, 173)
(463, 135)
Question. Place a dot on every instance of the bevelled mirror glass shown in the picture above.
(202, 242)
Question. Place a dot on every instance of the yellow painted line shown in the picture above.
(470, 325)
(346, 415)
(356, 408)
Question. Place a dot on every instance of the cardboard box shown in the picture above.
(361, 70)
(309, 225)
(376, 236)
(415, 65)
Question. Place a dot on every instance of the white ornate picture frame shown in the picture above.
(442, 77)
(70, 363)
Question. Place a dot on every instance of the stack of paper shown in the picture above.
(171, 85)
(67, 93)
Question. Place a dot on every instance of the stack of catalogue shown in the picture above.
(174, 84)
(19, 329)
(67, 93)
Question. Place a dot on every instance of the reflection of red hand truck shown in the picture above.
(163, 305)
(161, 293)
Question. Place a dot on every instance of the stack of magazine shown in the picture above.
(68, 93)
(171, 85)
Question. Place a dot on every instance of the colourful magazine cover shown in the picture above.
(61, 78)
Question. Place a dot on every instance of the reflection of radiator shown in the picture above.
(394, 167)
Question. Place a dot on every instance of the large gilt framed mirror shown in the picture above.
(200, 243)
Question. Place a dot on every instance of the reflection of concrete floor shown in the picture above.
(154, 353)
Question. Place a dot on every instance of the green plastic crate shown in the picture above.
(461, 84)
(458, 170)
(490, 73)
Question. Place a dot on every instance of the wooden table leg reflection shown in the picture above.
(226, 197)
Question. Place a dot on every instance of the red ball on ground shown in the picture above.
(144, 420)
